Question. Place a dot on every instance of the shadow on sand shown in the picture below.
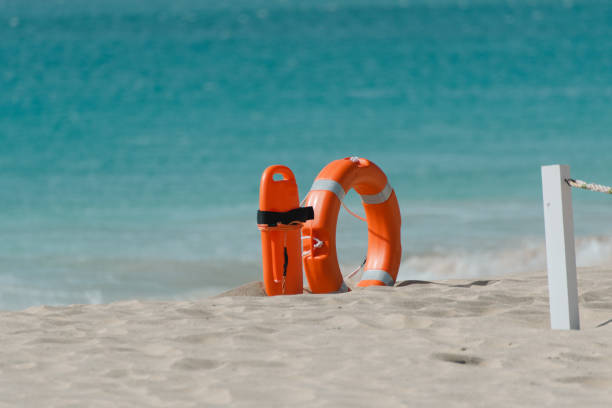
(459, 285)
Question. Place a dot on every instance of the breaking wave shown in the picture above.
(527, 257)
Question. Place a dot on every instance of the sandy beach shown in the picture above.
(447, 343)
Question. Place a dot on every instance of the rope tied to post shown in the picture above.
(589, 186)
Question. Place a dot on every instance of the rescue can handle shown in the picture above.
(278, 169)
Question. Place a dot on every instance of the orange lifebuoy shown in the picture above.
(280, 220)
(382, 214)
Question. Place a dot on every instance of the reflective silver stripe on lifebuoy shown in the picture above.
(379, 275)
(329, 185)
(379, 198)
(343, 288)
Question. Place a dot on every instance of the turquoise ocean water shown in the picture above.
(133, 134)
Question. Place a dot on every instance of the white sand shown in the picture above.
(451, 343)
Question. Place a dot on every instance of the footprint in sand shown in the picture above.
(194, 364)
(458, 358)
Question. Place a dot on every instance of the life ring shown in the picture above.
(320, 258)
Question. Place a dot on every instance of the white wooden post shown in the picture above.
(560, 250)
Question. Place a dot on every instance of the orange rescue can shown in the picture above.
(280, 221)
